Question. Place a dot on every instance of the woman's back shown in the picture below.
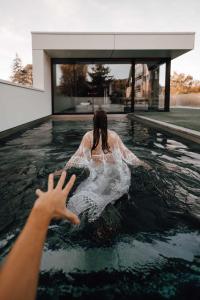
(109, 176)
(117, 152)
(104, 154)
(98, 155)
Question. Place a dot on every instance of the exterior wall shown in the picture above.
(21, 104)
(103, 45)
(113, 45)
(41, 70)
(154, 41)
(109, 41)
(38, 68)
(72, 41)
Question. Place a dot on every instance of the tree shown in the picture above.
(73, 81)
(16, 69)
(20, 74)
(100, 78)
(182, 83)
(27, 76)
(119, 87)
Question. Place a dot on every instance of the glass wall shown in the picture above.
(83, 88)
(142, 76)
(162, 80)
(149, 86)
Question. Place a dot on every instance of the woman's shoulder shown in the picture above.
(88, 134)
(113, 133)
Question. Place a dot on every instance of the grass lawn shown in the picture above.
(185, 117)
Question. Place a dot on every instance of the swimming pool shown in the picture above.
(146, 245)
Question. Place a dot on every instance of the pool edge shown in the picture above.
(22, 127)
(183, 132)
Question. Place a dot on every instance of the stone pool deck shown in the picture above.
(184, 122)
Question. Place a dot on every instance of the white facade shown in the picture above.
(106, 45)
(112, 45)
(19, 105)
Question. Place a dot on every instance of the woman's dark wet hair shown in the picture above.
(100, 128)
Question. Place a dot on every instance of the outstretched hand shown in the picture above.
(53, 202)
(57, 172)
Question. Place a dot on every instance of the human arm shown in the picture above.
(129, 157)
(19, 274)
(81, 157)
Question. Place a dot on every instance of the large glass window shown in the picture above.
(162, 80)
(142, 76)
(85, 87)
(149, 86)
(82, 88)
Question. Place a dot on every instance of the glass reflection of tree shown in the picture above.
(73, 81)
(118, 90)
(100, 78)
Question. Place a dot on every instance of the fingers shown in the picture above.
(58, 173)
(71, 217)
(69, 185)
(39, 192)
(61, 180)
(50, 182)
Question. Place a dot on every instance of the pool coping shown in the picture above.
(82, 117)
(183, 132)
(25, 126)
(22, 127)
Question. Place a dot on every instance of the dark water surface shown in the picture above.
(145, 246)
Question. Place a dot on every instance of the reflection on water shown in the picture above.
(146, 245)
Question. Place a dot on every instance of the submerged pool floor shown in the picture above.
(144, 246)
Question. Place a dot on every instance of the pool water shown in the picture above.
(144, 246)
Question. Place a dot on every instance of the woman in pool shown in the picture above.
(104, 154)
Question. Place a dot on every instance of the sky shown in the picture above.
(18, 18)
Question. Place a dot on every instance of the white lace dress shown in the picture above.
(109, 176)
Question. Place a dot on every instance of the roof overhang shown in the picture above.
(113, 45)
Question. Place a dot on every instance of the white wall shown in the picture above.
(112, 40)
(112, 45)
(41, 69)
(20, 104)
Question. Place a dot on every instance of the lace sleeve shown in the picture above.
(128, 156)
(82, 156)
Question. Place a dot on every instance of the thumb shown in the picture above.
(39, 192)
(69, 215)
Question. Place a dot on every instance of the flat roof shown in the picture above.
(113, 45)
(112, 32)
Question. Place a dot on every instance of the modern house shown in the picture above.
(78, 72)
